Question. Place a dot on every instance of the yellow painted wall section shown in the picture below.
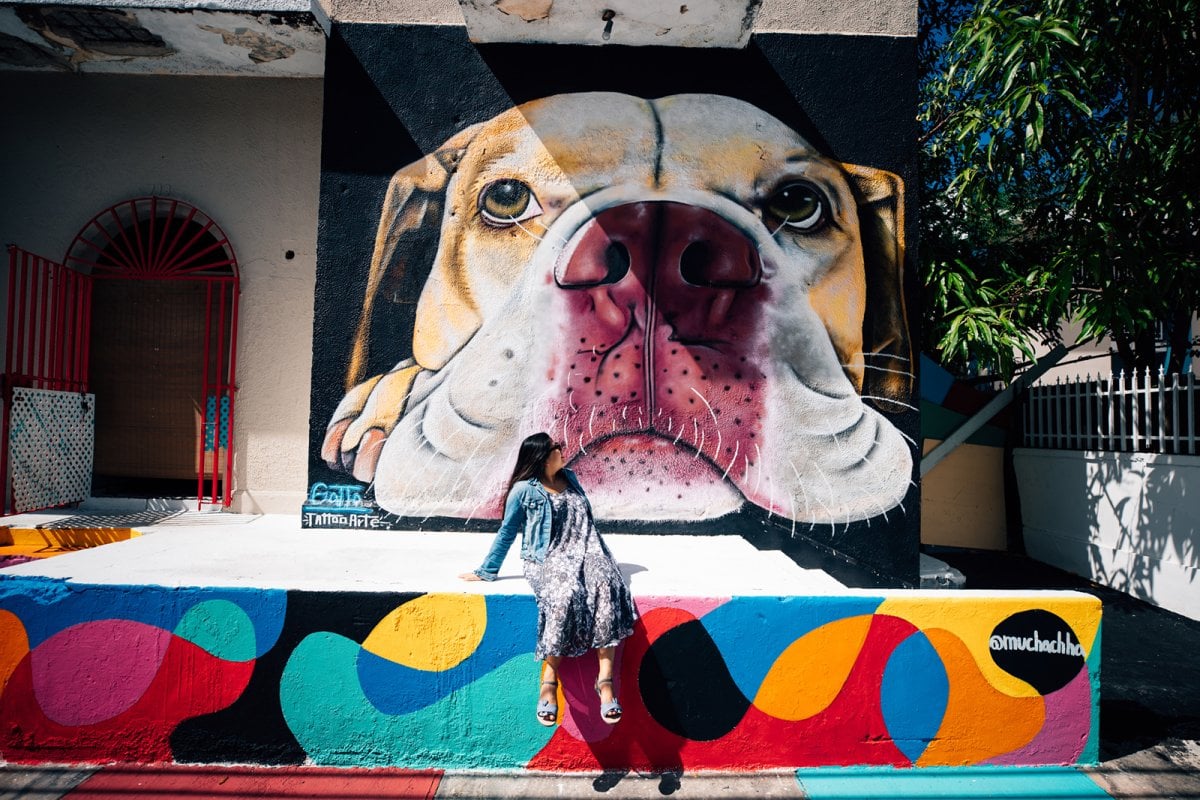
(974, 622)
(962, 499)
(432, 633)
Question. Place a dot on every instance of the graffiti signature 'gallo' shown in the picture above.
(702, 307)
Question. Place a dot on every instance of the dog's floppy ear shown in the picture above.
(887, 351)
(414, 201)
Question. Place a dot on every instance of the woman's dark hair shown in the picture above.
(532, 457)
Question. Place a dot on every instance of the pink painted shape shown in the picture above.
(95, 670)
(696, 606)
(1065, 732)
(581, 717)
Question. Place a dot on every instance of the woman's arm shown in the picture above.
(514, 523)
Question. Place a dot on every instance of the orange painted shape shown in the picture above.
(14, 644)
(980, 721)
(810, 673)
(47, 542)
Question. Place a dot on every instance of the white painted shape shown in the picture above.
(1125, 520)
(674, 23)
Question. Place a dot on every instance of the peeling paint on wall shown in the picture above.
(262, 48)
(528, 10)
(161, 41)
(94, 34)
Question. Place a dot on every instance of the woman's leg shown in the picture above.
(604, 655)
(549, 677)
(548, 692)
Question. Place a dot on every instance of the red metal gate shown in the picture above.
(49, 311)
(143, 239)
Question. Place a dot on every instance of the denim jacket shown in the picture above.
(527, 510)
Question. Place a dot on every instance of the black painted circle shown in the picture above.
(1038, 647)
(686, 686)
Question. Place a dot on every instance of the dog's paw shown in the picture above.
(363, 419)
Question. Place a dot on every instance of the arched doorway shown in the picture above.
(162, 350)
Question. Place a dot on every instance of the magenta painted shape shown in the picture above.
(696, 606)
(93, 671)
(581, 717)
(1065, 732)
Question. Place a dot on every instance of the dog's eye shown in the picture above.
(507, 201)
(799, 206)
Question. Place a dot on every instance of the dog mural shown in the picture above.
(703, 308)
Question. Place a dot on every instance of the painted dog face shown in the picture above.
(683, 290)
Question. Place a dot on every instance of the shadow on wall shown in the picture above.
(1158, 521)
(1125, 520)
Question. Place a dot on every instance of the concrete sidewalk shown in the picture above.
(164, 782)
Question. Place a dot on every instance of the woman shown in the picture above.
(583, 602)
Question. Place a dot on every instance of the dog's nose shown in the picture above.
(662, 240)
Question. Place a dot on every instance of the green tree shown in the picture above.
(1060, 175)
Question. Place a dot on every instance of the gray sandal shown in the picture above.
(547, 711)
(610, 712)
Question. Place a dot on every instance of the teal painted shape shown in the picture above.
(913, 695)
(220, 627)
(958, 783)
(486, 724)
(46, 606)
(938, 422)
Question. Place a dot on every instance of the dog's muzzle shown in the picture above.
(664, 350)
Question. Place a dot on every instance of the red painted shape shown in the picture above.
(311, 783)
(189, 683)
(851, 731)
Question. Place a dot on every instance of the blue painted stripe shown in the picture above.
(964, 783)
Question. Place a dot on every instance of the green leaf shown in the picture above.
(1064, 34)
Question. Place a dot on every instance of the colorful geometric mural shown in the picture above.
(688, 285)
(100, 673)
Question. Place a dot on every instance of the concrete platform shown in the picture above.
(273, 552)
(222, 639)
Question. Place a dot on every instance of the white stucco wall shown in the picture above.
(872, 17)
(245, 151)
(1127, 520)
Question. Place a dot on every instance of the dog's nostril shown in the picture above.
(617, 260)
(703, 264)
(694, 262)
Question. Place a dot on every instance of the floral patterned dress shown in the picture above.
(583, 602)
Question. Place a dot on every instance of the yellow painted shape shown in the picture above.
(14, 644)
(435, 632)
(46, 542)
(810, 673)
(972, 618)
(979, 722)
